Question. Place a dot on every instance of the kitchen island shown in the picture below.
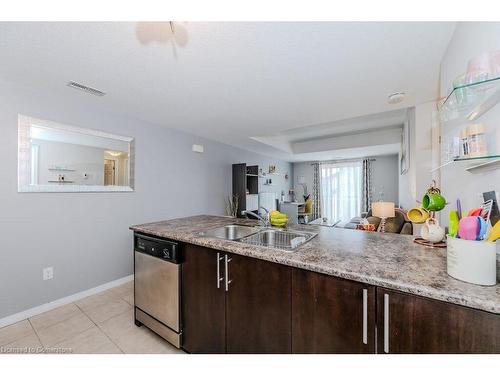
(381, 269)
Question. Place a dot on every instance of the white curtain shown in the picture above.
(341, 190)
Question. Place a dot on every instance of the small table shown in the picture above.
(328, 223)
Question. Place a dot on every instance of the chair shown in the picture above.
(307, 213)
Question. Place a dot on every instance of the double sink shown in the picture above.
(261, 236)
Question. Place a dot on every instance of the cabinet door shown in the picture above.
(412, 324)
(203, 301)
(331, 315)
(258, 306)
(240, 186)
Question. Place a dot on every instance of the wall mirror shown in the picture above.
(54, 157)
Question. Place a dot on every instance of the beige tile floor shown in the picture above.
(102, 323)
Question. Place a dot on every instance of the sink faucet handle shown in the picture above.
(266, 221)
(268, 216)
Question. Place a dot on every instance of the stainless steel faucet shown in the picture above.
(265, 221)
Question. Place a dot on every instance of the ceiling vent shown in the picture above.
(87, 89)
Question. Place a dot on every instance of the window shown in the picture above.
(341, 187)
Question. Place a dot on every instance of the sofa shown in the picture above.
(398, 224)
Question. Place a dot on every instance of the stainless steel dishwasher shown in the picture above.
(157, 279)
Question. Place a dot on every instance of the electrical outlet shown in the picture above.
(198, 148)
(48, 273)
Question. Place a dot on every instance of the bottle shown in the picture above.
(464, 146)
(455, 148)
(476, 140)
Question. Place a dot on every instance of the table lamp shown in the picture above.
(383, 210)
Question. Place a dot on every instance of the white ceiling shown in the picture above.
(234, 82)
(370, 135)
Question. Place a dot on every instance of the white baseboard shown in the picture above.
(11, 319)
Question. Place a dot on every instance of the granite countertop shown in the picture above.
(382, 259)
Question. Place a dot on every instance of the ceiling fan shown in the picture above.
(171, 32)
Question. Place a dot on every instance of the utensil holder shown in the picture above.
(474, 262)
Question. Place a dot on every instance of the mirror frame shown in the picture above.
(24, 154)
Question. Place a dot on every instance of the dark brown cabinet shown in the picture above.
(238, 304)
(412, 324)
(258, 306)
(203, 301)
(331, 315)
(245, 181)
(234, 304)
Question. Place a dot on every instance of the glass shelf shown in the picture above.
(61, 170)
(474, 164)
(471, 101)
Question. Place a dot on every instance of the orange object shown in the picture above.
(367, 227)
(475, 212)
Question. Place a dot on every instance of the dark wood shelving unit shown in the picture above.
(245, 177)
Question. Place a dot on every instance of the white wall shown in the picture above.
(414, 183)
(279, 182)
(305, 170)
(85, 236)
(469, 40)
(384, 176)
(82, 159)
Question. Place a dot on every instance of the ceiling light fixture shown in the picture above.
(396, 98)
(87, 89)
(114, 153)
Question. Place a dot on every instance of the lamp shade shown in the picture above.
(383, 209)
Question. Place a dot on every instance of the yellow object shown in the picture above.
(308, 206)
(278, 215)
(278, 219)
(418, 215)
(495, 232)
(279, 225)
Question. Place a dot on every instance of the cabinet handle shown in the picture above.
(219, 279)
(226, 276)
(365, 316)
(386, 323)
